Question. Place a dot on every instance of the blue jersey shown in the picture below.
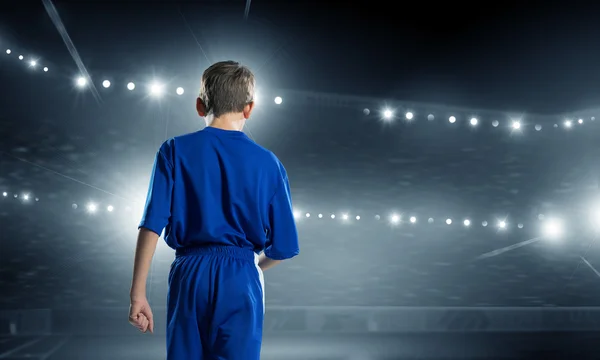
(218, 187)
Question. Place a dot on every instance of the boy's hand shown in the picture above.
(140, 315)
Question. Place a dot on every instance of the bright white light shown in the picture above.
(156, 89)
(595, 217)
(278, 100)
(296, 214)
(409, 115)
(473, 121)
(110, 208)
(357, 217)
(307, 215)
(130, 86)
(467, 222)
(553, 228)
(33, 63)
(495, 123)
(395, 219)
(5, 194)
(333, 216)
(91, 207)
(81, 81)
(46, 69)
(448, 221)
(516, 125)
(452, 119)
(345, 217)
(320, 216)
(502, 224)
(21, 57)
(26, 197)
(106, 84)
(413, 219)
(388, 114)
(568, 123)
(179, 91)
(8, 51)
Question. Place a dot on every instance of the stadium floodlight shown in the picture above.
(81, 82)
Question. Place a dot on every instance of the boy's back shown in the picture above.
(227, 190)
(221, 200)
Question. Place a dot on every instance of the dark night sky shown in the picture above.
(535, 59)
(528, 56)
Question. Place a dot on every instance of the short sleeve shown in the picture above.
(282, 240)
(158, 201)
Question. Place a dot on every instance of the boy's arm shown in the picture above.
(144, 251)
(282, 243)
(264, 263)
(156, 216)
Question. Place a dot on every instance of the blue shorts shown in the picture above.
(215, 305)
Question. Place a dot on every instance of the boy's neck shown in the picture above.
(231, 122)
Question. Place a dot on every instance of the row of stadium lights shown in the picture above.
(388, 115)
(553, 227)
(395, 219)
(32, 63)
(157, 89)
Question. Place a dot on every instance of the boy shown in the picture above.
(221, 199)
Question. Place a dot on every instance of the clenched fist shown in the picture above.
(140, 315)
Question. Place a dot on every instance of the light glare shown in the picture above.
(81, 81)
(156, 89)
(91, 207)
(553, 228)
(388, 114)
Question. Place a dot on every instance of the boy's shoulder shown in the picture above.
(263, 153)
